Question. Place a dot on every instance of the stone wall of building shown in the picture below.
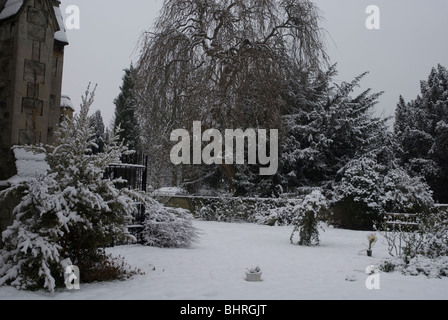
(31, 69)
(8, 32)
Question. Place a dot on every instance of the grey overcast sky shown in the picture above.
(413, 38)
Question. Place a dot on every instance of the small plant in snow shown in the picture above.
(372, 240)
(256, 269)
(310, 213)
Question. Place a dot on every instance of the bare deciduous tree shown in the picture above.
(227, 63)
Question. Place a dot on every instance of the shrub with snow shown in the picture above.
(422, 251)
(167, 227)
(68, 215)
(310, 213)
(368, 189)
(355, 198)
(402, 193)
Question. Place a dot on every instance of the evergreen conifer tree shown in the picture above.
(125, 108)
(68, 215)
(422, 132)
(99, 138)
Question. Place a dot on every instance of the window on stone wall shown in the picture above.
(50, 132)
(32, 90)
(32, 106)
(55, 66)
(52, 102)
(34, 72)
(36, 51)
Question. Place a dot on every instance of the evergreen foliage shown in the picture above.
(310, 213)
(67, 216)
(125, 111)
(100, 135)
(421, 127)
(328, 128)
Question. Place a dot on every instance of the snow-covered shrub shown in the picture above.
(108, 268)
(310, 213)
(67, 215)
(402, 193)
(223, 209)
(424, 250)
(368, 189)
(431, 267)
(282, 215)
(167, 227)
(269, 211)
(356, 197)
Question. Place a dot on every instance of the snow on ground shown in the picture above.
(214, 268)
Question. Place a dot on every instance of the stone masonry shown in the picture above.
(31, 68)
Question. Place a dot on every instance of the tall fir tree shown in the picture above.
(421, 127)
(99, 137)
(327, 128)
(125, 111)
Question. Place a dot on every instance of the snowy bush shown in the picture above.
(310, 213)
(356, 197)
(278, 216)
(424, 250)
(67, 215)
(433, 268)
(168, 228)
(402, 193)
(368, 189)
(269, 211)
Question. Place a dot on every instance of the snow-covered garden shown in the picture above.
(214, 269)
(79, 231)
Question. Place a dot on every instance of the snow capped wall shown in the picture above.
(12, 7)
(29, 165)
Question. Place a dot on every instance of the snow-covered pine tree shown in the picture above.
(125, 109)
(422, 132)
(327, 128)
(97, 123)
(67, 216)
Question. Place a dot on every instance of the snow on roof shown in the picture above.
(11, 8)
(66, 102)
(60, 35)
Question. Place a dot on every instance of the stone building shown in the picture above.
(32, 42)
